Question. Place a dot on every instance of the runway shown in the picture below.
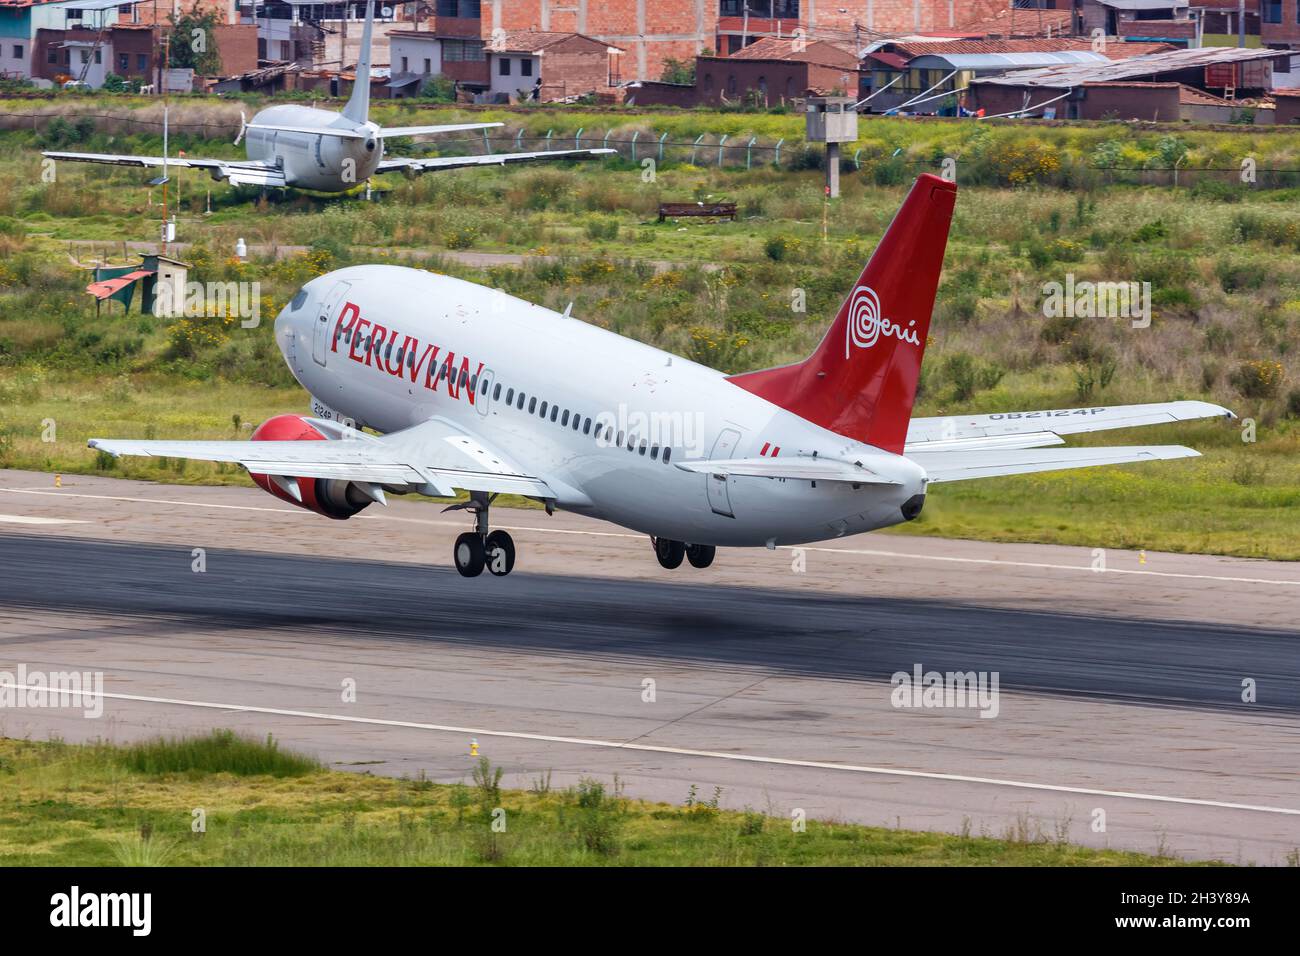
(1119, 691)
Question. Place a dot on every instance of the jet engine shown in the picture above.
(331, 497)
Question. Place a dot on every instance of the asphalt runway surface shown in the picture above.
(1120, 693)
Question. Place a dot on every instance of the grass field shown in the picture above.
(258, 805)
(1037, 205)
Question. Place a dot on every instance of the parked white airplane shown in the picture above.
(310, 148)
(477, 391)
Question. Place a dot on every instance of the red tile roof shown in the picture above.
(820, 52)
(530, 41)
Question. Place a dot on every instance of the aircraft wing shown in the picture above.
(798, 468)
(434, 458)
(988, 463)
(1039, 428)
(388, 132)
(239, 172)
(414, 166)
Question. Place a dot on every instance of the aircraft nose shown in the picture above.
(293, 316)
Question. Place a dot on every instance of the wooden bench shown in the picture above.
(711, 210)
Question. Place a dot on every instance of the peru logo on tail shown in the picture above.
(865, 323)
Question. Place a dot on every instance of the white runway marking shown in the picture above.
(32, 519)
(687, 752)
(865, 552)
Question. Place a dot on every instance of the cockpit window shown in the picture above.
(297, 301)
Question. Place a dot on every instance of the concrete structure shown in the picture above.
(831, 120)
(1112, 681)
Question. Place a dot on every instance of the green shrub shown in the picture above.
(221, 751)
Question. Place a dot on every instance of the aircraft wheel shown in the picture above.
(669, 553)
(700, 555)
(469, 554)
(500, 553)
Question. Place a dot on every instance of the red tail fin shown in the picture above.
(861, 380)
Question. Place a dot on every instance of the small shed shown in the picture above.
(161, 280)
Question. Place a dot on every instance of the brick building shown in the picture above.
(128, 50)
(512, 64)
(653, 31)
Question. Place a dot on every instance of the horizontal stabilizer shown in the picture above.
(951, 430)
(798, 469)
(415, 166)
(390, 131)
(989, 463)
(342, 132)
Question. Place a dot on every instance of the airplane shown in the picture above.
(472, 390)
(308, 148)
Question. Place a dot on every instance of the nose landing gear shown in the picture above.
(671, 553)
(480, 549)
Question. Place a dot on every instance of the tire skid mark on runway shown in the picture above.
(863, 552)
(686, 752)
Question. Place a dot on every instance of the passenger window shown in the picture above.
(586, 426)
(555, 412)
(532, 405)
(609, 435)
(543, 411)
(667, 454)
(654, 452)
(564, 419)
(464, 377)
(510, 396)
(410, 359)
(620, 439)
(496, 393)
(577, 421)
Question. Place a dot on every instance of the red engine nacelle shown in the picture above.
(326, 496)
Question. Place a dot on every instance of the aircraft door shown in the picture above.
(321, 334)
(718, 490)
(483, 398)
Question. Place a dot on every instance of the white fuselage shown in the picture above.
(315, 161)
(647, 398)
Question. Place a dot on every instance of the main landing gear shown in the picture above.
(480, 549)
(671, 553)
